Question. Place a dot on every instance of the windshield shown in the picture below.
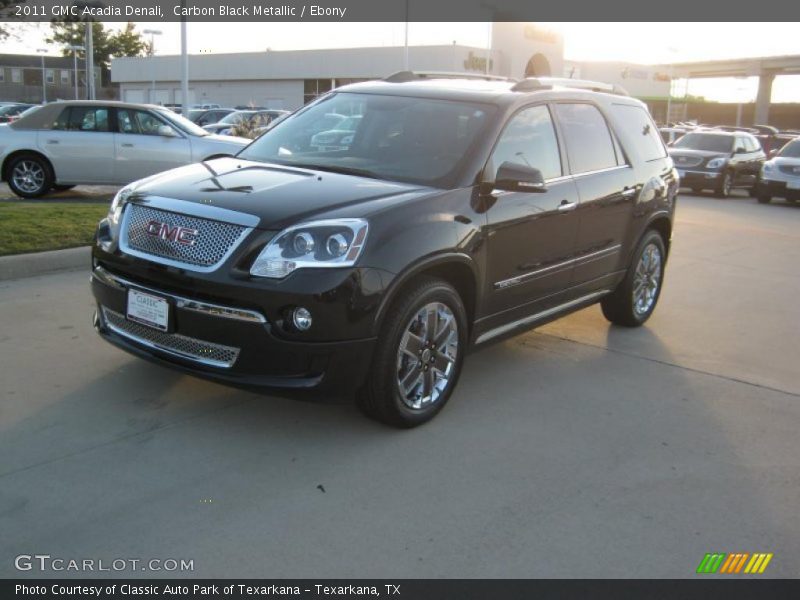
(707, 142)
(182, 123)
(791, 150)
(416, 140)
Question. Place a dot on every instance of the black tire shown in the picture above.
(38, 185)
(381, 398)
(723, 189)
(764, 198)
(619, 307)
(62, 188)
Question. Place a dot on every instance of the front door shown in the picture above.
(143, 149)
(531, 235)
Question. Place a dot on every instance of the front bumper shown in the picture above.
(780, 187)
(699, 178)
(239, 346)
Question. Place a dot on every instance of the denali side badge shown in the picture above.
(181, 235)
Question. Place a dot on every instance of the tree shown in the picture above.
(106, 44)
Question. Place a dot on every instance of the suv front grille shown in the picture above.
(790, 169)
(687, 161)
(208, 353)
(151, 232)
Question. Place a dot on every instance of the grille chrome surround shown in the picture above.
(216, 240)
(199, 351)
(687, 161)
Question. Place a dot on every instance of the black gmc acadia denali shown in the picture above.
(457, 211)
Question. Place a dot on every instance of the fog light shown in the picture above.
(301, 318)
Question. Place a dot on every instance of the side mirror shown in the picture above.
(166, 131)
(513, 177)
(772, 153)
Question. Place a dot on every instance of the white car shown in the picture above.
(64, 144)
(780, 175)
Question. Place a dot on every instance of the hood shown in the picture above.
(786, 161)
(214, 127)
(673, 152)
(278, 195)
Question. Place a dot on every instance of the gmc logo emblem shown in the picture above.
(181, 235)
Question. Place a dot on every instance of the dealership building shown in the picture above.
(290, 79)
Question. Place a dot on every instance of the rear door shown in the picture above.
(142, 150)
(606, 187)
(81, 145)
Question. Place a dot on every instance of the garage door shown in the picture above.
(135, 96)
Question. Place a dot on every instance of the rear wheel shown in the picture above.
(418, 356)
(635, 299)
(30, 176)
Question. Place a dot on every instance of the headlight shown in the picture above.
(768, 167)
(118, 203)
(716, 163)
(326, 244)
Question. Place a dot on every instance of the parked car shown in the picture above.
(205, 106)
(63, 144)
(176, 108)
(461, 213)
(717, 160)
(339, 138)
(208, 117)
(12, 112)
(671, 134)
(249, 119)
(780, 175)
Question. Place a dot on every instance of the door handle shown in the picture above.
(52, 141)
(127, 145)
(567, 206)
(629, 191)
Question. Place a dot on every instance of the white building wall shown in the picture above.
(285, 94)
(641, 81)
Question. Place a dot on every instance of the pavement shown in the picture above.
(576, 450)
(81, 193)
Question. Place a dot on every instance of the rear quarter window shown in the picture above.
(638, 128)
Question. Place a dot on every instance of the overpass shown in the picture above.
(765, 68)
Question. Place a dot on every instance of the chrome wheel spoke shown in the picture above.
(412, 344)
(646, 280)
(442, 363)
(410, 381)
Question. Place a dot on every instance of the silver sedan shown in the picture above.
(64, 144)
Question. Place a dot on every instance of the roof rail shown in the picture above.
(532, 84)
(404, 76)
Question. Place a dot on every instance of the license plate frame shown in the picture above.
(148, 309)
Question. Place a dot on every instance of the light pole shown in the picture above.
(75, 49)
(153, 33)
(42, 51)
(673, 51)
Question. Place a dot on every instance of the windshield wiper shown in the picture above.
(337, 169)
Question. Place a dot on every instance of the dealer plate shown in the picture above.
(148, 310)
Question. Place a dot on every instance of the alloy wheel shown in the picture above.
(646, 280)
(28, 176)
(427, 355)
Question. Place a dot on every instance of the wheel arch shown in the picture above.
(459, 270)
(662, 224)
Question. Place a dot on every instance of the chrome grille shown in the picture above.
(207, 353)
(687, 161)
(214, 241)
(790, 169)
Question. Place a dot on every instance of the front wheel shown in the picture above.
(725, 185)
(30, 176)
(418, 356)
(635, 299)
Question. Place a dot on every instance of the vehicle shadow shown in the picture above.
(554, 458)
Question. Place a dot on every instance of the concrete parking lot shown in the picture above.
(577, 450)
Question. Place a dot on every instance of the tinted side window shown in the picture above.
(529, 139)
(739, 144)
(638, 127)
(62, 122)
(88, 118)
(137, 121)
(588, 140)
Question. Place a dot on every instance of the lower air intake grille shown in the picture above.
(206, 353)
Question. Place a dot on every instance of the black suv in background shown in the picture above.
(460, 211)
(718, 160)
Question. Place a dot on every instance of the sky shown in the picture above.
(634, 42)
